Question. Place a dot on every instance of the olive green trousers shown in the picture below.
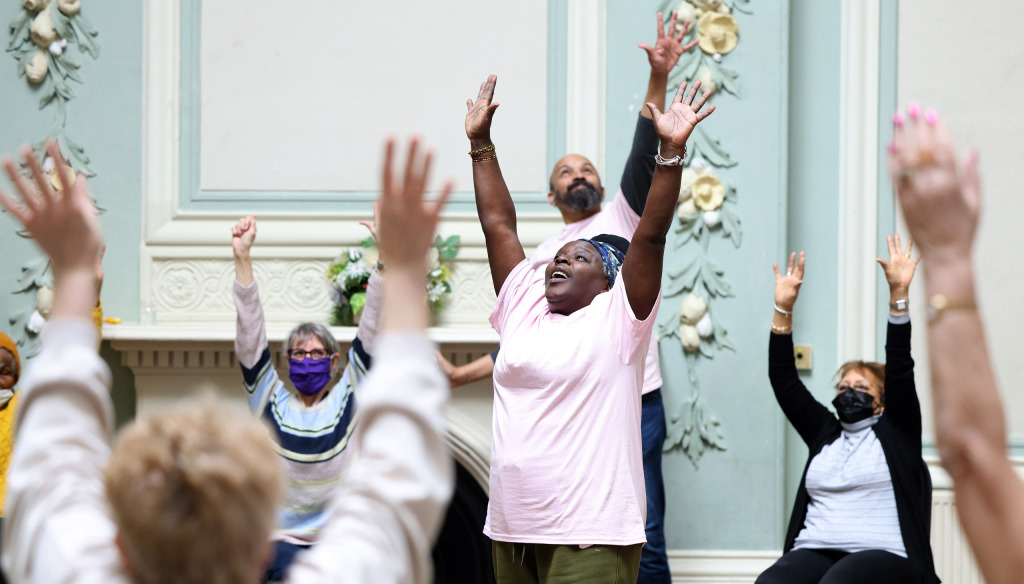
(536, 563)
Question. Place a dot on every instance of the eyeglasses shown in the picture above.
(300, 354)
(864, 388)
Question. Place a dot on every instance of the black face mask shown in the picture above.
(854, 406)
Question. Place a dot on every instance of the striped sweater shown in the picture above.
(313, 442)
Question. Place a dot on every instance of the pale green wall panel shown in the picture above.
(105, 118)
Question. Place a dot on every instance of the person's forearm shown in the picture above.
(493, 200)
(405, 305)
(243, 268)
(661, 202)
(965, 391)
(481, 368)
(657, 88)
(643, 265)
(897, 293)
(75, 293)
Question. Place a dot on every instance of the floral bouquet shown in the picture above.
(349, 276)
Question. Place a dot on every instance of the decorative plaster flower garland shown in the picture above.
(40, 37)
(702, 212)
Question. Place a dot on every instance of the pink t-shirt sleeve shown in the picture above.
(633, 335)
(518, 292)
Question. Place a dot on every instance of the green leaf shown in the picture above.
(710, 149)
(33, 275)
(19, 28)
(731, 228)
(60, 23)
(47, 95)
(453, 241)
(368, 242)
(84, 34)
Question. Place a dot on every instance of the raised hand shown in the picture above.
(371, 226)
(666, 51)
(406, 223)
(243, 235)
(787, 286)
(675, 125)
(899, 270)
(480, 112)
(63, 224)
(940, 202)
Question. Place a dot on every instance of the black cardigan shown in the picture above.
(898, 431)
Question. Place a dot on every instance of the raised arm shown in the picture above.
(493, 202)
(388, 509)
(641, 270)
(902, 405)
(65, 417)
(941, 204)
(639, 168)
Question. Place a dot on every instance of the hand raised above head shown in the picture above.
(940, 202)
(407, 223)
(243, 235)
(899, 270)
(666, 51)
(675, 125)
(787, 286)
(480, 112)
(64, 224)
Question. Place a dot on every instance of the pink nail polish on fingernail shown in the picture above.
(914, 110)
(898, 119)
(931, 116)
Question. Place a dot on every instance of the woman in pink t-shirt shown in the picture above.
(567, 496)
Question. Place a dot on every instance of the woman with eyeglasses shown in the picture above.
(863, 508)
(312, 425)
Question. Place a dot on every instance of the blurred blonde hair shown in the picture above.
(876, 370)
(195, 495)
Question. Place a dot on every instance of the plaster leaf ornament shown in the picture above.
(33, 5)
(686, 184)
(711, 218)
(708, 192)
(699, 165)
(69, 7)
(704, 326)
(36, 68)
(42, 30)
(35, 323)
(717, 33)
(44, 301)
(55, 178)
(690, 338)
(56, 48)
(724, 8)
(693, 309)
(687, 210)
(707, 5)
(717, 57)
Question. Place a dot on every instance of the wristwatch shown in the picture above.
(900, 304)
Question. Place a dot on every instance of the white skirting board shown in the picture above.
(718, 566)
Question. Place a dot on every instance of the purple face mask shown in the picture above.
(309, 375)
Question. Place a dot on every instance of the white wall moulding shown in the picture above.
(858, 177)
(718, 566)
(585, 94)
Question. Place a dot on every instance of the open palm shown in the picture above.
(675, 125)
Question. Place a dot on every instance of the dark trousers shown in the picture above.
(284, 555)
(835, 567)
(653, 560)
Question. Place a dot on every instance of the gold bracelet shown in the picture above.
(938, 304)
(782, 330)
(483, 150)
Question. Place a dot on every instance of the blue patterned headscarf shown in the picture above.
(611, 255)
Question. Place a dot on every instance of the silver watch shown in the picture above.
(900, 304)
(675, 161)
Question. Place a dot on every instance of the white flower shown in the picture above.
(56, 48)
(435, 290)
(35, 322)
(693, 309)
(704, 326)
(686, 184)
(689, 337)
(354, 271)
(687, 210)
(717, 57)
(699, 165)
(354, 255)
(711, 218)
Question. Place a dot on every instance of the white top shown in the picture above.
(384, 517)
(566, 458)
(616, 218)
(852, 503)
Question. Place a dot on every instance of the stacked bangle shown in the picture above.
(782, 330)
(780, 311)
(477, 155)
